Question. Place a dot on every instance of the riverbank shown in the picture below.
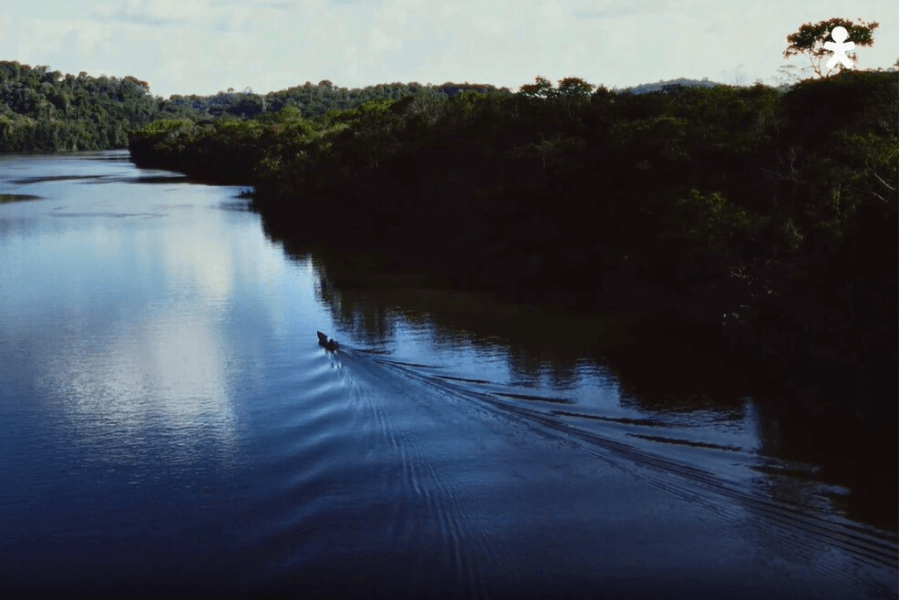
(759, 225)
(779, 341)
(660, 358)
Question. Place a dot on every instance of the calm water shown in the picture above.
(168, 424)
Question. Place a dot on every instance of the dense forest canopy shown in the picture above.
(46, 110)
(43, 110)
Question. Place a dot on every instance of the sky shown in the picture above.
(207, 46)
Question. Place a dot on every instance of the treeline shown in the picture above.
(43, 110)
(315, 100)
(46, 110)
(768, 218)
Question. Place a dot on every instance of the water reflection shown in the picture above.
(542, 345)
(131, 330)
(166, 408)
(161, 378)
(618, 367)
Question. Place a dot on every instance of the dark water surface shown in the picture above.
(169, 425)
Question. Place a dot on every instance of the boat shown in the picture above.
(329, 345)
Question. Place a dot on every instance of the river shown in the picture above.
(169, 425)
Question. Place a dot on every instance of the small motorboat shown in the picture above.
(329, 345)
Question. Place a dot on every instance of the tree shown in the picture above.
(810, 40)
(573, 91)
(575, 87)
(541, 88)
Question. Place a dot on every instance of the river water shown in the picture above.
(169, 425)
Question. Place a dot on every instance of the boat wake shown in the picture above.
(728, 484)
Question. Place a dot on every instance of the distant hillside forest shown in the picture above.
(767, 218)
(43, 110)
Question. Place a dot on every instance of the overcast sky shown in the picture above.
(207, 46)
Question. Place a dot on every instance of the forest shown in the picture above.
(47, 111)
(759, 222)
(762, 222)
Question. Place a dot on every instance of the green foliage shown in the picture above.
(744, 200)
(45, 110)
(810, 40)
(541, 88)
(166, 126)
(6, 198)
(574, 87)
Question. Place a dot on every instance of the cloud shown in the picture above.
(609, 13)
(156, 12)
(202, 46)
(276, 5)
(614, 9)
(219, 15)
(224, 7)
(59, 42)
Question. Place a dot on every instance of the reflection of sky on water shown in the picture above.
(167, 377)
(131, 326)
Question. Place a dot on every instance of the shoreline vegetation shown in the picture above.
(760, 223)
(5, 198)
